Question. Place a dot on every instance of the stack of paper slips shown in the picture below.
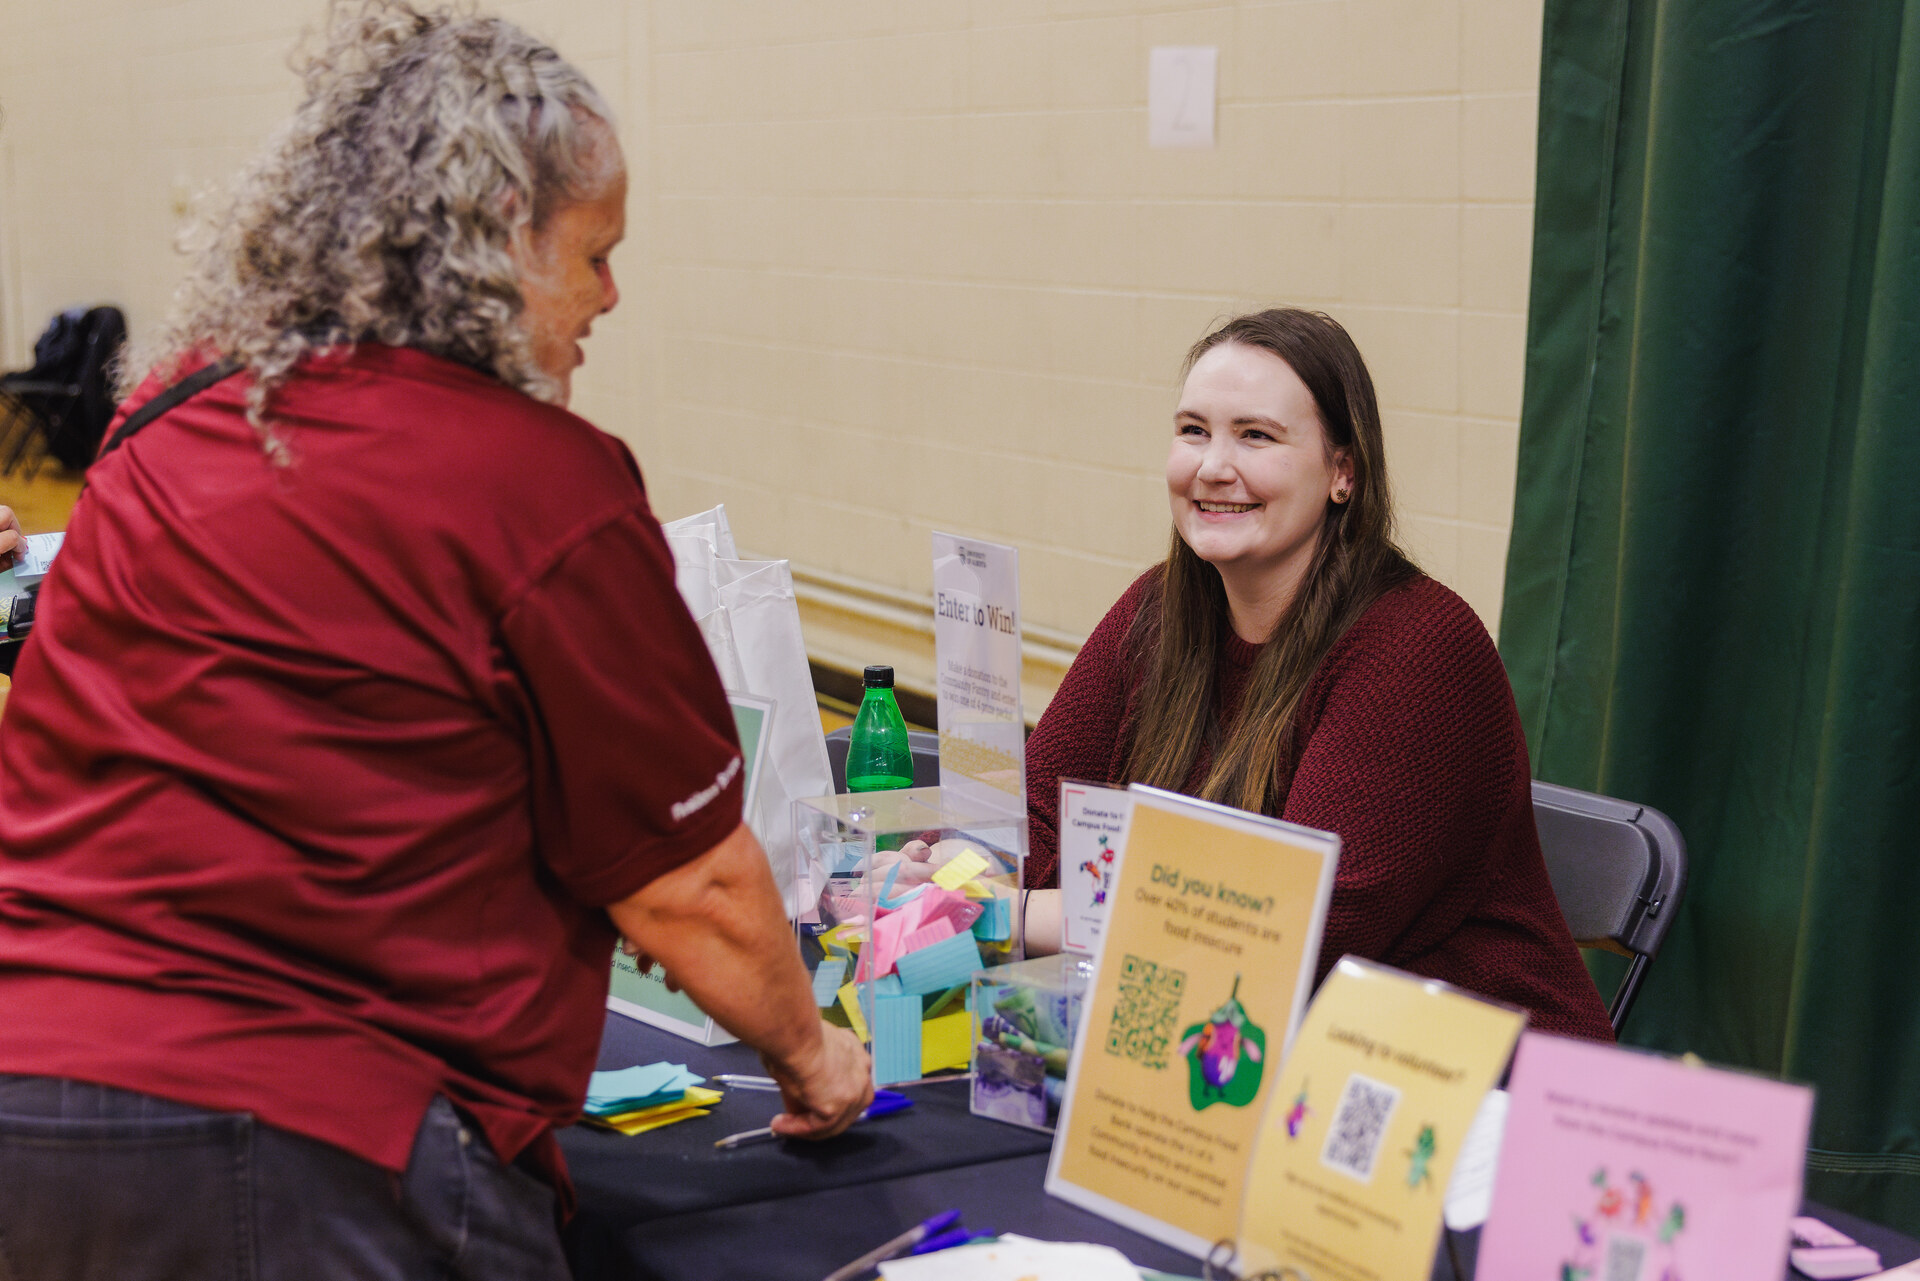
(637, 1099)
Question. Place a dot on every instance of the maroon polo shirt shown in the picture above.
(316, 777)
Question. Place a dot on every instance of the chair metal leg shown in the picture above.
(15, 420)
(23, 444)
(1629, 989)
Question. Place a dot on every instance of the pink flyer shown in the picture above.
(1623, 1166)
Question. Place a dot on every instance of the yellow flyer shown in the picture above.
(1353, 1157)
(1203, 970)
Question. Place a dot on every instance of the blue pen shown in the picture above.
(885, 1103)
(949, 1239)
(893, 1249)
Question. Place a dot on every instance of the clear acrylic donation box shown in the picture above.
(910, 893)
(1024, 1020)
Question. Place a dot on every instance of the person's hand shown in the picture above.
(718, 925)
(827, 1094)
(9, 536)
(914, 861)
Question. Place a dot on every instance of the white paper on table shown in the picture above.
(35, 557)
(1470, 1191)
(1015, 1258)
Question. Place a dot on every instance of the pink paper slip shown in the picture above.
(1624, 1166)
(883, 949)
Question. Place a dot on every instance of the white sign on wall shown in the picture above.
(1180, 94)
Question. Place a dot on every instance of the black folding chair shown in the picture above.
(61, 407)
(1618, 869)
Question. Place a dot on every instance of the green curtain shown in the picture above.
(1713, 591)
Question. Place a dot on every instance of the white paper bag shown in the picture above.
(747, 612)
(697, 541)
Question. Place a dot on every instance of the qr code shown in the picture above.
(1144, 1016)
(1359, 1126)
(1626, 1258)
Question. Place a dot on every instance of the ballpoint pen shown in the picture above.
(900, 1245)
(951, 1238)
(767, 1083)
(885, 1102)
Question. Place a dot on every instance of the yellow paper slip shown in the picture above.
(694, 1102)
(844, 939)
(695, 1097)
(640, 1123)
(960, 870)
(850, 1002)
(946, 1043)
(1353, 1158)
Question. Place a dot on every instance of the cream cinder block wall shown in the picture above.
(903, 265)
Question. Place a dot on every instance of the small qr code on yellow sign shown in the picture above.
(1146, 1012)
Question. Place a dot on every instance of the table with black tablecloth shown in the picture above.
(669, 1206)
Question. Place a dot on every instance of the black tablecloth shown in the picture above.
(625, 1181)
(668, 1206)
(808, 1236)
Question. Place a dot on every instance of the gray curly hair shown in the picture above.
(384, 209)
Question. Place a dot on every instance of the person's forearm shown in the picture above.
(1042, 922)
(718, 928)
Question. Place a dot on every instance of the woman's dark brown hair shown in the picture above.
(1178, 631)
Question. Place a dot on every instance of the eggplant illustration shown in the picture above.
(1225, 1055)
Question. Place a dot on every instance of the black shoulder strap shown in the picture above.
(184, 390)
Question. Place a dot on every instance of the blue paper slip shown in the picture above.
(827, 977)
(948, 963)
(896, 1038)
(888, 901)
(996, 920)
(629, 1089)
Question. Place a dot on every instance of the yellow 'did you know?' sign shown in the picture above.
(1205, 966)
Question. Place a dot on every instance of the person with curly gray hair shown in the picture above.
(362, 716)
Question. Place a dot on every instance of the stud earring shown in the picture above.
(1341, 495)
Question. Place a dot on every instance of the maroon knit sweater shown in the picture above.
(1407, 744)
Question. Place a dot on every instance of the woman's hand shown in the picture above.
(915, 861)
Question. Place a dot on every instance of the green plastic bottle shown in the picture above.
(879, 757)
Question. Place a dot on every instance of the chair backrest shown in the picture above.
(74, 436)
(926, 756)
(1618, 870)
(69, 390)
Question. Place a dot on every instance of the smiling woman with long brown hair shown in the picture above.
(1288, 659)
